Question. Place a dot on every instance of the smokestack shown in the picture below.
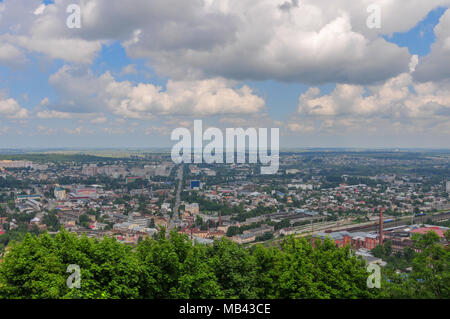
(381, 226)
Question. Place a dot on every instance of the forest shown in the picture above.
(172, 267)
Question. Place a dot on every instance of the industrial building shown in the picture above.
(354, 240)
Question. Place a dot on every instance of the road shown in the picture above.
(175, 216)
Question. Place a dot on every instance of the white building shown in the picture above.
(192, 208)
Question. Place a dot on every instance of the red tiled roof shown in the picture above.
(424, 230)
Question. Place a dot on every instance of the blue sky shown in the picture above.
(282, 97)
(419, 39)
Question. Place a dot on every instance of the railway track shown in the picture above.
(400, 222)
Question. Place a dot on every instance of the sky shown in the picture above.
(135, 70)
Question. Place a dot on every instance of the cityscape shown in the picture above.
(361, 199)
(225, 157)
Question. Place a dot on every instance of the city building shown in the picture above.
(369, 258)
(192, 208)
(355, 240)
(195, 184)
(90, 170)
(244, 238)
(60, 193)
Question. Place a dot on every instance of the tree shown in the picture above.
(36, 268)
(267, 270)
(11, 204)
(234, 269)
(51, 220)
(84, 220)
(430, 277)
(233, 231)
(174, 267)
(283, 224)
(322, 272)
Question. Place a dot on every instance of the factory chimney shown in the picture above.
(381, 226)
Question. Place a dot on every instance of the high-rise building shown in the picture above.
(447, 186)
(90, 170)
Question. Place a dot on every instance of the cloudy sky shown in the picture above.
(137, 69)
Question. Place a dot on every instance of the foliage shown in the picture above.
(51, 220)
(429, 278)
(36, 268)
(172, 267)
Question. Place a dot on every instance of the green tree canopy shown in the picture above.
(175, 267)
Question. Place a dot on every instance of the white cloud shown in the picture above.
(78, 131)
(94, 118)
(40, 28)
(207, 48)
(11, 109)
(118, 130)
(205, 97)
(99, 120)
(11, 55)
(44, 130)
(399, 102)
(44, 101)
(51, 114)
(310, 41)
(82, 91)
(159, 130)
(129, 69)
(436, 66)
(40, 10)
(300, 128)
(67, 49)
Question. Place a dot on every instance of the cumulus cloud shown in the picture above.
(309, 41)
(99, 120)
(81, 91)
(159, 130)
(44, 101)
(53, 115)
(40, 28)
(300, 127)
(40, 10)
(208, 47)
(11, 55)
(398, 102)
(436, 66)
(129, 69)
(78, 131)
(10, 108)
(44, 130)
